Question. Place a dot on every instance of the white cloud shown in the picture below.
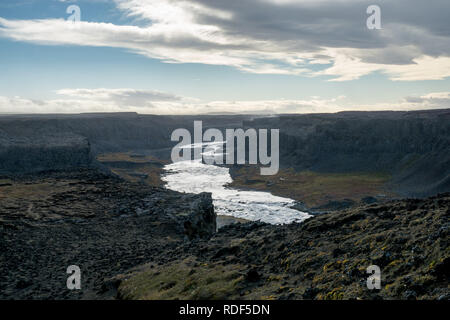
(348, 66)
(154, 102)
(262, 36)
(123, 98)
(430, 101)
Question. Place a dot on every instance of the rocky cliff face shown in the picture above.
(105, 133)
(414, 147)
(43, 142)
(37, 151)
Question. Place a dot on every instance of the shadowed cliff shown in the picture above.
(412, 147)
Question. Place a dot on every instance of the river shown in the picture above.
(196, 177)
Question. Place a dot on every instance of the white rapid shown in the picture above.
(196, 177)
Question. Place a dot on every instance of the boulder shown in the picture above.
(201, 221)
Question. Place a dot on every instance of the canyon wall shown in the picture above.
(413, 147)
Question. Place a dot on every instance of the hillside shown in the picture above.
(325, 257)
(133, 241)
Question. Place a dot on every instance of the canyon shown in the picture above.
(88, 190)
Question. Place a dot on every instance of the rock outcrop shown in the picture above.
(24, 153)
(201, 222)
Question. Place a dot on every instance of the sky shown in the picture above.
(223, 56)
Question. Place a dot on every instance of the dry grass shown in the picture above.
(128, 157)
(145, 165)
(35, 191)
(314, 189)
(183, 280)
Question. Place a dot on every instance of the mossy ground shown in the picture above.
(312, 188)
(184, 280)
(325, 257)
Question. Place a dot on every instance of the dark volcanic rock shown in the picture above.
(114, 230)
(336, 205)
(39, 152)
(201, 222)
(326, 256)
(105, 225)
(369, 200)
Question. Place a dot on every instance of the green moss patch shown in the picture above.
(183, 280)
